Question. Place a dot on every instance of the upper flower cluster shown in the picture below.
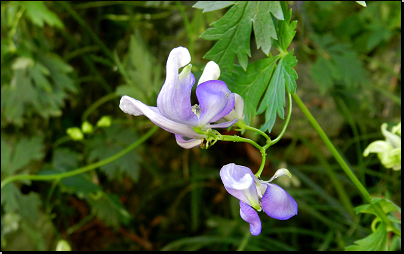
(174, 112)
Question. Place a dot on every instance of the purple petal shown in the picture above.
(174, 99)
(277, 203)
(187, 144)
(239, 181)
(135, 107)
(215, 100)
(248, 214)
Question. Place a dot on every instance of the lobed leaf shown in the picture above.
(39, 14)
(18, 155)
(274, 100)
(250, 84)
(109, 209)
(233, 31)
(114, 140)
(337, 62)
(285, 29)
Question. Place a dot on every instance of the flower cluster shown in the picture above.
(174, 112)
(193, 125)
(256, 194)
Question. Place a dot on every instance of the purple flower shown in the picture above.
(174, 112)
(256, 195)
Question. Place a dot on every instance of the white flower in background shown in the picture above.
(388, 151)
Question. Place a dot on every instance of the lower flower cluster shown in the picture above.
(193, 124)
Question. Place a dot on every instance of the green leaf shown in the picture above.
(264, 28)
(233, 31)
(250, 84)
(142, 71)
(15, 97)
(212, 5)
(65, 159)
(386, 204)
(377, 241)
(14, 201)
(20, 154)
(285, 29)
(337, 62)
(31, 89)
(109, 209)
(114, 140)
(11, 198)
(324, 72)
(5, 156)
(290, 61)
(274, 99)
(38, 73)
(39, 14)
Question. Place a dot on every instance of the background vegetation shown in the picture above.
(64, 66)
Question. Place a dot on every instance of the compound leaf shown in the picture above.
(233, 31)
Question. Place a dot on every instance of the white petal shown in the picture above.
(211, 72)
(280, 172)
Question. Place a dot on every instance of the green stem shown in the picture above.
(344, 165)
(236, 138)
(246, 127)
(286, 123)
(82, 169)
(258, 174)
(240, 139)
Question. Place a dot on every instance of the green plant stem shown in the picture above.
(249, 128)
(286, 123)
(236, 138)
(344, 165)
(258, 174)
(82, 169)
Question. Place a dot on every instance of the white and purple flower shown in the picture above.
(174, 112)
(256, 195)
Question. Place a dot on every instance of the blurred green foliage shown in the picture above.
(67, 63)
